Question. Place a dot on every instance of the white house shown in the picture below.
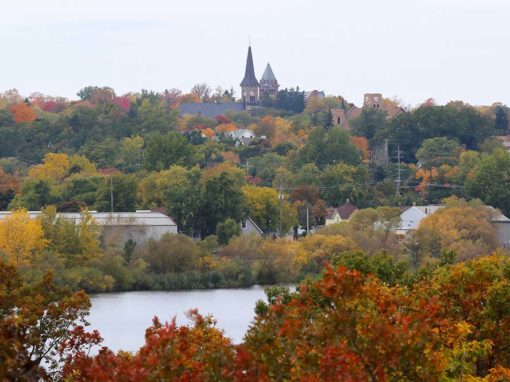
(342, 213)
(244, 136)
(502, 225)
(411, 217)
(248, 226)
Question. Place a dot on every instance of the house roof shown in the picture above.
(268, 74)
(249, 74)
(140, 217)
(346, 210)
(255, 225)
(209, 109)
(498, 216)
(242, 133)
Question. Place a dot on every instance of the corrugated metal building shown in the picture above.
(119, 227)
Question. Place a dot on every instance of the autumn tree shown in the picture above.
(372, 229)
(263, 207)
(76, 241)
(23, 113)
(21, 237)
(462, 227)
(196, 353)
(347, 326)
(475, 294)
(171, 253)
(9, 186)
(41, 325)
(202, 91)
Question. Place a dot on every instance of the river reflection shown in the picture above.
(122, 318)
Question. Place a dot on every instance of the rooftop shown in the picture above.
(209, 109)
(140, 217)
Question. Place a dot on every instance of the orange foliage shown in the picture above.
(362, 144)
(23, 113)
(8, 182)
(221, 168)
(226, 128)
(229, 156)
(190, 97)
(425, 176)
(208, 132)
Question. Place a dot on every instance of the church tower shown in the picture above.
(268, 83)
(249, 84)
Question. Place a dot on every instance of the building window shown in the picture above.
(252, 98)
(243, 224)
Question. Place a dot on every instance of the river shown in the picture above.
(122, 318)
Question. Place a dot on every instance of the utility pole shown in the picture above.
(280, 200)
(307, 220)
(386, 160)
(111, 193)
(398, 179)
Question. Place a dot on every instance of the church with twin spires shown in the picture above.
(252, 90)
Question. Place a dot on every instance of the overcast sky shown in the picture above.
(410, 49)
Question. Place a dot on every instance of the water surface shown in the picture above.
(122, 318)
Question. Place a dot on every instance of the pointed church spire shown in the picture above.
(249, 79)
(268, 74)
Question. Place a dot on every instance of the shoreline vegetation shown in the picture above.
(73, 252)
(369, 324)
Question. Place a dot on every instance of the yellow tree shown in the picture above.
(266, 209)
(55, 167)
(462, 227)
(21, 237)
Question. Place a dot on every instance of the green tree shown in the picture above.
(342, 181)
(227, 230)
(125, 192)
(369, 122)
(165, 150)
(490, 180)
(81, 189)
(437, 151)
(327, 147)
(35, 194)
(461, 122)
(130, 157)
(501, 120)
(181, 191)
(222, 198)
(171, 253)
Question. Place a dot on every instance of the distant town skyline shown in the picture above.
(413, 50)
